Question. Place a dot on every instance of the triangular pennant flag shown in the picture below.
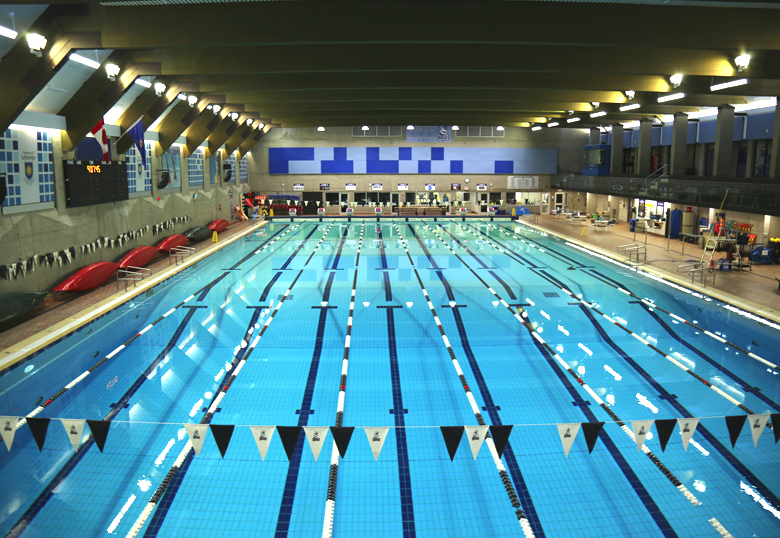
(38, 427)
(99, 429)
(476, 436)
(8, 430)
(316, 437)
(734, 424)
(776, 425)
(262, 436)
(591, 431)
(687, 428)
(641, 429)
(197, 433)
(222, 434)
(500, 435)
(341, 436)
(757, 424)
(289, 436)
(73, 428)
(452, 435)
(376, 438)
(568, 433)
(664, 427)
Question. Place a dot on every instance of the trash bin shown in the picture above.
(632, 224)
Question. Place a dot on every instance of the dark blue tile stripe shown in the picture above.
(509, 249)
(547, 248)
(447, 288)
(252, 252)
(716, 444)
(267, 289)
(388, 289)
(465, 247)
(337, 258)
(63, 473)
(210, 285)
(505, 285)
(298, 249)
(404, 473)
(382, 256)
(514, 468)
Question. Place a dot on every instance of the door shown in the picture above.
(312, 198)
(395, 200)
(483, 200)
(560, 201)
(344, 201)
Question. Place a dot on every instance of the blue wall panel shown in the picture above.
(739, 123)
(707, 132)
(666, 137)
(692, 131)
(759, 127)
(656, 136)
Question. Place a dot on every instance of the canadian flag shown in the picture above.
(99, 132)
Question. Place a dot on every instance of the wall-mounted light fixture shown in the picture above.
(676, 79)
(742, 61)
(37, 43)
(191, 100)
(112, 70)
(320, 128)
(630, 94)
(215, 109)
(159, 88)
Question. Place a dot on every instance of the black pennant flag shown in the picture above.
(500, 435)
(665, 428)
(776, 425)
(452, 435)
(734, 424)
(342, 436)
(591, 431)
(38, 427)
(289, 436)
(222, 434)
(99, 430)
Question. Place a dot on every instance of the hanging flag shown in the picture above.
(452, 435)
(665, 427)
(222, 434)
(99, 429)
(136, 132)
(8, 425)
(757, 424)
(38, 427)
(99, 132)
(500, 435)
(776, 425)
(342, 436)
(591, 431)
(316, 437)
(197, 433)
(376, 438)
(289, 436)
(687, 428)
(568, 433)
(476, 436)
(262, 436)
(734, 424)
(73, 428)
(641, 429)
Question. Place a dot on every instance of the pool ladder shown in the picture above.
(131, 274)
(177, 254)
(634, 249)
(704, 271)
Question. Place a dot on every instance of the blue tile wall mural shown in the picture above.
(412, 160)
(27, 159)
(195, 167)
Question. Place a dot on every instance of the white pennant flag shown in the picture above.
(687, 428)
(305, 202)
(757, 424)
(476, 436)
(73, 428)
(641, 429)
(197, 433)
(376, 438)
(8, 430)
(568, 433)
(263, 436)
(316, 437)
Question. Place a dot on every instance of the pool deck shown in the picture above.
(755, 290)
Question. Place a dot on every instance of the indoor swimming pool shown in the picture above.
(411, 325)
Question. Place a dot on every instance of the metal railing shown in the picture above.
(634, 249)
(131, 274)
(533, 218)
(704, 273)
(177, 254)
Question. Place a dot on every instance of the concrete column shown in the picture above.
(774, 170)
(750, 165)
(185, 174)
(679, 142)
(724, 141)
(616, 166)
(595, 136)
(701, 159)
(643, 158)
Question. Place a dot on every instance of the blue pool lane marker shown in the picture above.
(510, 490)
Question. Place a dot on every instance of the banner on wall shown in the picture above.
(27, 160)
(429, 133)
(430, 186)
(523, 183)
(351, 186)
(403, 186)
(297, 186)
(481, 186)
(324, 186)
(376, 186)
(171, 162)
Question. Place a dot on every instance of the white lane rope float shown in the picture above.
(330, 502)
(510, 490)
(151, 505)
(656, 461)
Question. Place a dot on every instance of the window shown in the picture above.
(362, 198)
(195, 167)
(373, 131)
(242, 170)
(139, 179)
(763, 158)
(482, 132)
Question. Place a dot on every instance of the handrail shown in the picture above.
(621, 248)
(663, 174)
(703, 271)
(131, 274)
(180, 252)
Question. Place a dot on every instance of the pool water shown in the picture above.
(534, 332)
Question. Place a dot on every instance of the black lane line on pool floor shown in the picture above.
(267, 290)
(383, 258)
(42, 498)
(444, 282)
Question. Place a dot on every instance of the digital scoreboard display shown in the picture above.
(94, 182)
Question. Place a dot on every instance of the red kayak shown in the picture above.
(138, 257)
(89, 277)
(218, 225)
(172, 241)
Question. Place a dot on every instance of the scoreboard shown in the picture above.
(94, 182)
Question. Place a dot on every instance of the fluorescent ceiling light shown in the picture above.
(536, 128)
(703, 113)
(553, 124)
(7, 32)
(410, 127)
(629, 107)
(671, 97)
(455, 128)
(598, 114)
(83, 61)
(144, 83)
(630, 124)
(500, 128)
(320, 128)
(762, 103)
(742, 61)
(572, 120)
(729, 84)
